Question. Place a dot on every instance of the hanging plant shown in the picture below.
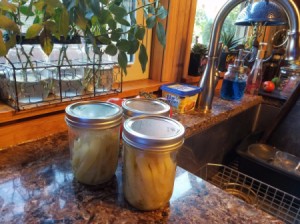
(105, 21)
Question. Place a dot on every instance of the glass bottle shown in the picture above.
(255, 77)
(67, 81)
(235, 78)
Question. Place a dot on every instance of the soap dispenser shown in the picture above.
(235, 79)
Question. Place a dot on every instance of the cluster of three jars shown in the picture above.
(150, 142)
(72, 69)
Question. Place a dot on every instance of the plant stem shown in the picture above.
(143, 6)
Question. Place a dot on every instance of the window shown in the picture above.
(205, 14)
(134, 68)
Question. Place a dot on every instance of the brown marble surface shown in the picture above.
(37, 186)
(196, 121)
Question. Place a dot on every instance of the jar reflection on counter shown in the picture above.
(94, 128)
(150, 146)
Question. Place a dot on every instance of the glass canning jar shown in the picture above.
(94, 129)
(67, 80)
(150, 146)
(140, 106)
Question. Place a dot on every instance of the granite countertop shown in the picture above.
(37, 186)
(196, 121)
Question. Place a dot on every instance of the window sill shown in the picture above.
(130, 89)
(23, 126)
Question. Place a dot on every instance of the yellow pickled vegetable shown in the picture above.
(149, 178)
(95, 156)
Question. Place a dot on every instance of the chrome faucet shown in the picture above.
(207, 83)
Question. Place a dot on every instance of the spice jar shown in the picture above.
(140, 106)
(150, 145)
(94, 128)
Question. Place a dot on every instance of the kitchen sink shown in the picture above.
(216, 144)
(227, 144)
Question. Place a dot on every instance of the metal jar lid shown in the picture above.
(153, 133)
(93, 114)
(140, 106)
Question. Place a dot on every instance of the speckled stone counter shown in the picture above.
(37, 186)
(196, 121)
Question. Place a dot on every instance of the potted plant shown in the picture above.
(197, 59)
(108, 26)
(229, 50)
(105, 21)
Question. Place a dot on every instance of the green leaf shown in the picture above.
(117, 2)
(123, 61)
(112, 24)
(118, 11)
(131, 34)
(81, 21)
(133, 46)
(37, 19)
(151, 21)
(140, 32)
(104, 40)
(122, 21)
(116, 34)
(63, 25)
(46, 41)
(123, 45)
(3, 49)
(161, 35)
(8, 24)
(94, 6)
(7, 6)
(104, 16)
(111, 50)
(162, 12)
(104, 2)
(26, 10)
(143, 57)
(33, 31)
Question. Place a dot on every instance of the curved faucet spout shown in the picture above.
(207, 83)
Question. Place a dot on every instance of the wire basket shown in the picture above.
(46, 84)
(278, 203)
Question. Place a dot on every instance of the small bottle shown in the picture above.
(235, 78)
(255, 77)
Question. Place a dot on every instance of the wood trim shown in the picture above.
(168, 64)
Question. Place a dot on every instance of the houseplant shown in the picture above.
(197, 58)
(229, 50)
(101, 21)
